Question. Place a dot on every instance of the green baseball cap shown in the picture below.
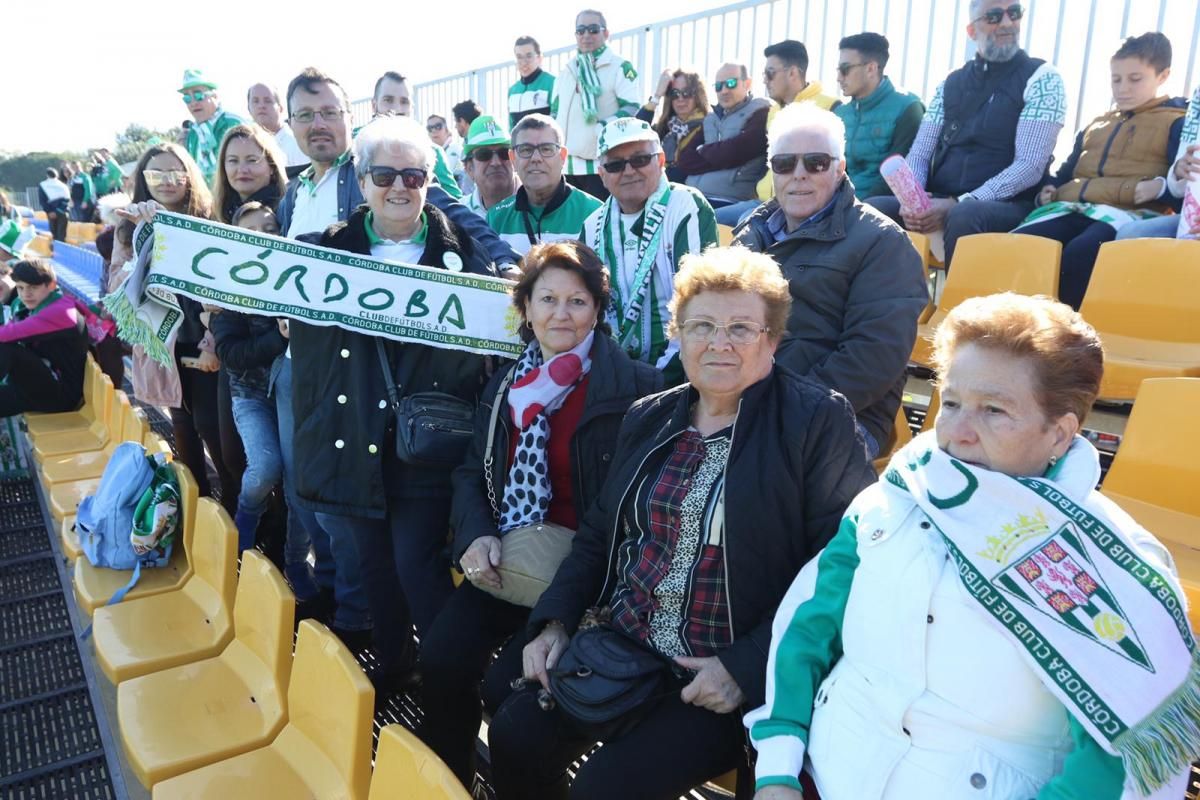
(484, 132)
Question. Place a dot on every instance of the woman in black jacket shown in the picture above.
(346, 470)
(572, 367)
(720, 491)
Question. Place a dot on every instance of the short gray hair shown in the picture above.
(390, 132)
(975, 9)
(537, 122)
(594, 12)
(807, 116)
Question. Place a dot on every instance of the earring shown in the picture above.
(529, 324)
(1053, 460)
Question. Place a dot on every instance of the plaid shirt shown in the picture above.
(671, 566)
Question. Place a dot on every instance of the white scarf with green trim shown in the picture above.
(589, 82)
(1098, 212)
(1104, 628)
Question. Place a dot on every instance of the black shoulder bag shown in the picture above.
(433, 429)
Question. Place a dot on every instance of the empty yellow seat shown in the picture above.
(1144, 301)
(324, 751)
(69, 538)
(987, 263)
(724, 235)
(93, 437)
(1155, 473)
(37, 423)
(95, 585)
(71, 467)
(406, 767)
(920, 243)
(42, 245)
(136, 637)
(188, 716)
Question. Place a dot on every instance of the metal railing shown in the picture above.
(927, 41)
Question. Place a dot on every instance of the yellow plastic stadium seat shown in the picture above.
(186, 717)
(1155, 473)
(69, 538)
(921, 243)
(37, 423)
(93, 437)
(82, 466)
(95, 585)
(901, 435)
(987, 263)
(406, 767)
(67, 491)
(728, 781)
(724, 235)
(324, 751)
(42, 245)
(136, 637)
(1144, 301)
(931, 411)
(40, 215)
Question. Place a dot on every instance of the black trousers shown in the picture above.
(1081, 238)
(196, 426)
(590, 184)
(455, 657)
(30, 385)
(58, 224)
(671, 750)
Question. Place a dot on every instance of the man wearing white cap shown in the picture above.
(641, 232)
(485, 156)
(211, 121)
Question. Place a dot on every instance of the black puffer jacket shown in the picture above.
(344, 423)
(614, 383)
(248, 346)
(795, 463)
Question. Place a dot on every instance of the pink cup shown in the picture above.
(900, 179)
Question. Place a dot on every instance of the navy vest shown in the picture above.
(983, 102)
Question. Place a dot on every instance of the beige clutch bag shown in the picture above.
(529, 557)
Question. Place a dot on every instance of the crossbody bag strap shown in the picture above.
(488, 460)
(392, 392)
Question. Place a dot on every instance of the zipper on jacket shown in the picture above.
(725, 532)
(1107, 147)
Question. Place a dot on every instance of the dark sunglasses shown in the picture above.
(412, 177)
(844, 69)
(684, 93)
(485, 154)
(436, 126)
(814, 163)
(728, 83)
(593, 29)
(637, 162)
(993, 16)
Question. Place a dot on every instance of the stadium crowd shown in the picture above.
(664, 381)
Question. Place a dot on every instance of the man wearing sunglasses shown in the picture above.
(531, 93)
(439, 131)
(596, 86)
(731, 161)
(210, 121)
(880, 119)
(988, 135)
(485, 154)
(546, 208)
(859, 286)
(641, 232)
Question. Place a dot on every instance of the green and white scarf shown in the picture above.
(207, 144)
(1064, 579)
(148, 316)
(589, 82)
(630, 325)
(1110, 215)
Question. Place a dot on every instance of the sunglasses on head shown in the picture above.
(593, 29)
(684, 93)
(637, 162)
(728, 83)
(814, 163)
(195, 97)
(411, 177)
(844, 69)
(486, 154)
(994, 16)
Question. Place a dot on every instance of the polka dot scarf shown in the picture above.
(538, 390)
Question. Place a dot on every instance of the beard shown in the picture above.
(991, 50)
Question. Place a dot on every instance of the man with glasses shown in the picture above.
(880, 119)
(210, 121)
(546, 208)
(595, 87)
(439, 131)
(988, 135)
(641, 232)
(733, 157)
(485, 153)
(859, 285)
(262, 101)
(531, 93)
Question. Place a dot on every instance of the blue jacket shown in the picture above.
(350, 197)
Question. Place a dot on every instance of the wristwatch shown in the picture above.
(964, 197)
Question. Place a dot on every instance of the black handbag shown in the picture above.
(606, 681)
(433, 429)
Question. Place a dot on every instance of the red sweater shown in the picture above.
(562, 428)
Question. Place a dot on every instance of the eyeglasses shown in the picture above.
(704, 331)
(195, 97)
(435, 127)
(844, 69)
(545, 150)
(637, 162)
(686, 94)
(593, 29)
(532, 56)
(384, 177)
(159, 177)
(994, 16)
(728, 83)
(814, 163)
(486, 154)
(306, 116)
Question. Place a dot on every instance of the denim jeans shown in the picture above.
(336, 560)
(1153, 228)
(732, 214)
(259, 428)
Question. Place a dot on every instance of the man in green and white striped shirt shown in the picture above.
(641, 233)
(546, 208)
(531, 94)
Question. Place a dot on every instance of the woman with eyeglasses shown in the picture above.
(720, 490)
(679, 123)
(347, 467)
